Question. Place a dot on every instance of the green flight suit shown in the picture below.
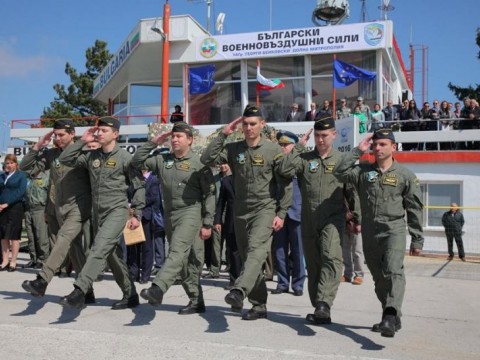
(385, 198)
(110, 175)
(68, 207)
(188, 191)
(323, 219)
(36, 198)
(256, 183)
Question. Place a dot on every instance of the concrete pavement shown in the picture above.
(441, 321)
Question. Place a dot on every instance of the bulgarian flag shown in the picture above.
(267, 84)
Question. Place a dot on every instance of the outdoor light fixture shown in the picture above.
(333, 12)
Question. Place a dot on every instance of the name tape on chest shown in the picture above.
(184, 166)
(110, 163)
(390, 180)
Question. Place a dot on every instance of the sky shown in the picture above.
(37, 38)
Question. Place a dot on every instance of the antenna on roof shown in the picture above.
(385, 7)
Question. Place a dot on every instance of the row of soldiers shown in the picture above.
(262, 177)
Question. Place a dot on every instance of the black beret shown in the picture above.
(324, 124)
(181, 126)
(286, 137)
(252, 111)
(109, 121)
(383, 134)
(66, 124)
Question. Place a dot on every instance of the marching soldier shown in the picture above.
(387, 192)
(253, 162)
(188, 190)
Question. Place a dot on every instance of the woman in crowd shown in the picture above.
(378, 118)
(13, 184)
(362, 126)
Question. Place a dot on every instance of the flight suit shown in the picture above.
(68, 208)
(36, 198)
(110, 175)
(384, 200)
(188, 191)
(255, 182)
(323, 219)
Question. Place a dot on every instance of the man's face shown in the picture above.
(326, 104)
(224, 168)
(252, 126)
(62, 138)
(106, 134)
(181, 141)
(286, 148)
(324, 139)
(313, 106)
(383, 148)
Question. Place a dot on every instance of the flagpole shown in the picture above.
(256, 87)
(334, 92)
(185, 94)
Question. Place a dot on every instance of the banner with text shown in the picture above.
(329, 39)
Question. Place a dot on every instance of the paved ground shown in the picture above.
(441, 321)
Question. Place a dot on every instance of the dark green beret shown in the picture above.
(383, 134)
(252, 111)
(181, 126)
(109, 121)
(66, 124)
(324, 124)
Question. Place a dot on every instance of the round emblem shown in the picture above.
(208, 48)
(96, 163)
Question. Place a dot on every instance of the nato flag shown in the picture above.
(201, 79)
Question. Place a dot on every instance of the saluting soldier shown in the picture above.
(69, 206)
(387, 192)
(188, 190)
(110, 175)
(253, 162)
(323, 215)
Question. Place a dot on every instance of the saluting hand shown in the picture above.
(364, 145)
(230, 128)
(218, 227)
(304, 139)
(43, 141)
(89, 135)
(160, 139)
(277, 223)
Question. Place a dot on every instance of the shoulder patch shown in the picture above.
(277, 157)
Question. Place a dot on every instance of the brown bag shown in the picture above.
(135, 236)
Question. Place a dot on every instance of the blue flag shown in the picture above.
(346, 74)
(201, 79)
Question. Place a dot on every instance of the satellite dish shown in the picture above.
(219, 23)
(332, 12)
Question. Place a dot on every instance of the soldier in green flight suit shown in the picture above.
(36, 198)
(69, 206)
(257, 213)
(323, 215)
(387, 192)
(110, 175)
(188, 190)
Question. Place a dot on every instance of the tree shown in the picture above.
(76, 100)
(470, 91)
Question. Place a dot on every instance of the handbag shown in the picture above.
(135, 236)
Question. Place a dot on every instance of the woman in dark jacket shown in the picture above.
(13, 184)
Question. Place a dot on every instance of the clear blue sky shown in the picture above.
(37, 38)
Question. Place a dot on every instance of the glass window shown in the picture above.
(120, 102)
(220, 105)
(438, 195)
